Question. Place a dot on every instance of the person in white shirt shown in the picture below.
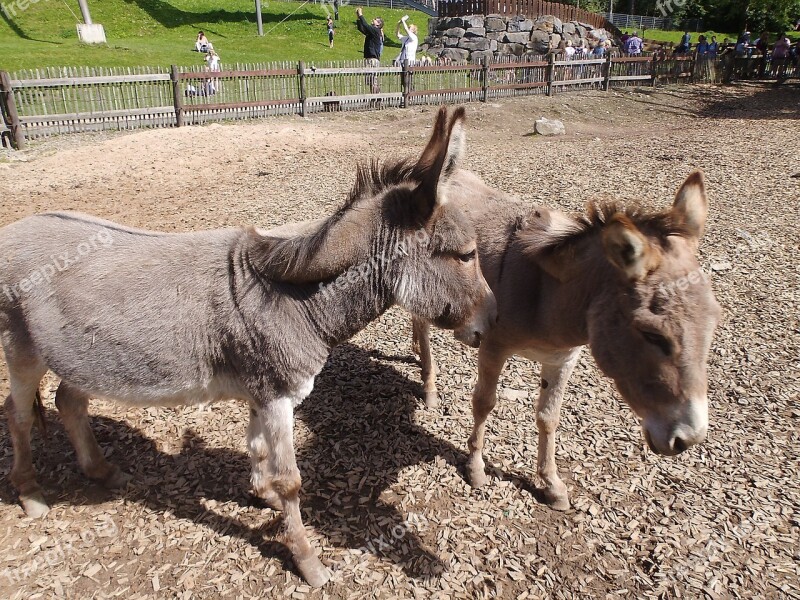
(569, 50)
(212, 59)
(409, 42)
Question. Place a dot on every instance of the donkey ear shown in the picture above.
(691, 205)
(628, 249)
(439, 160)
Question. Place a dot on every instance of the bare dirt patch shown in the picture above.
(383, 477)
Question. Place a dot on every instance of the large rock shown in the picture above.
(456, 32)
(545, 23)
(476, 32)
(568, 28)
(557, 25)
(450, 23)
(520, 24)
(455, 54)
(540, 41)
(545, 126)
(516, 38)
(473, 44)
(451, 42)
(495, 24)
(473, 21)
(555, 40)
(515, 49)
(496, 35)
(493, 45)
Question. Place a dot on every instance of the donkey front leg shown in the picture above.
(422, 346)
(273, 426)
(490, 365)
(73, 407)
(548, 414)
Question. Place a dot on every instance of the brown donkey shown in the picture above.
(168, 319)
(621, 280)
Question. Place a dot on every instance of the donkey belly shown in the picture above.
(118, 313)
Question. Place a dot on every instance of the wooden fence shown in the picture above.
(527, 8)
(54, 101)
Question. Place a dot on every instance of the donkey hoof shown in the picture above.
(431, 399)
(478, 478)
(116, 479)
(34, 505)
(556, 501)
(313, 571)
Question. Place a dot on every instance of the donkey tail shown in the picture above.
(41, 422)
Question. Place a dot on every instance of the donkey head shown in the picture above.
(439, 279)
(653, 330)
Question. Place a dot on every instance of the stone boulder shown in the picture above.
(545, 24)
(476, 32)
(516, 38)
(473, 44)
(545, 126)
(473, 21)
(451, 42)
(495, 24)
(540, 41)
(456, 32)
(451, 22)
(568, 28)
(520, 24)
(515, 49)
(555, 40)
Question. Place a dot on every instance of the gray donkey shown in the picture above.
(623, 280)
(149, 318)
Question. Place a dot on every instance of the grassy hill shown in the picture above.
(157, 32)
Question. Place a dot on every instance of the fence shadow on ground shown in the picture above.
(362, 435)
(772, 101)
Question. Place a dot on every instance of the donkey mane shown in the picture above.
(561, 231)
(292, 259)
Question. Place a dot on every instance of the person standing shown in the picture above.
(685, 45)
(713, 47)
(780, 55)
(633, 45)
(335, 10)
(330, 31)
(408, 42)
(373, 45)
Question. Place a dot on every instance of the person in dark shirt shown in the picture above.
(373, 35)
(373, 46)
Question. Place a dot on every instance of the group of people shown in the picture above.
(374, 39)
(209, 86)
(585, 50)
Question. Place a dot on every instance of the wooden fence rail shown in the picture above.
(67, 101)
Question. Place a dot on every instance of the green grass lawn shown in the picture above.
(160, 33)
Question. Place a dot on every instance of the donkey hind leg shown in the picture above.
(483, 400)
(276, 421)
(422, 346)
(73, 407)
(548, 414)
(262, 475)
(24, 378)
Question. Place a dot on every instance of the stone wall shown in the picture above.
(473, 37)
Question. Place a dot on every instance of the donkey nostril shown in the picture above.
(679, 445)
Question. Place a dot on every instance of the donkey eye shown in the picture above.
(467, 257)
(659, 341)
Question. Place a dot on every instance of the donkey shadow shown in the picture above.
(362, 434)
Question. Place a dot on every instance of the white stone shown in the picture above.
(546, 126)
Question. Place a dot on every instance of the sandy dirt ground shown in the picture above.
(384, 493)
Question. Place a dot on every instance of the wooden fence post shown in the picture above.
(176, 95)
(607, 73)
(653, 70)
(405, 80)
(551, 73)
(9, 107)
(485, 81)
(692, 63)
(301, 73)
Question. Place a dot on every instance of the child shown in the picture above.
(330, 31)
